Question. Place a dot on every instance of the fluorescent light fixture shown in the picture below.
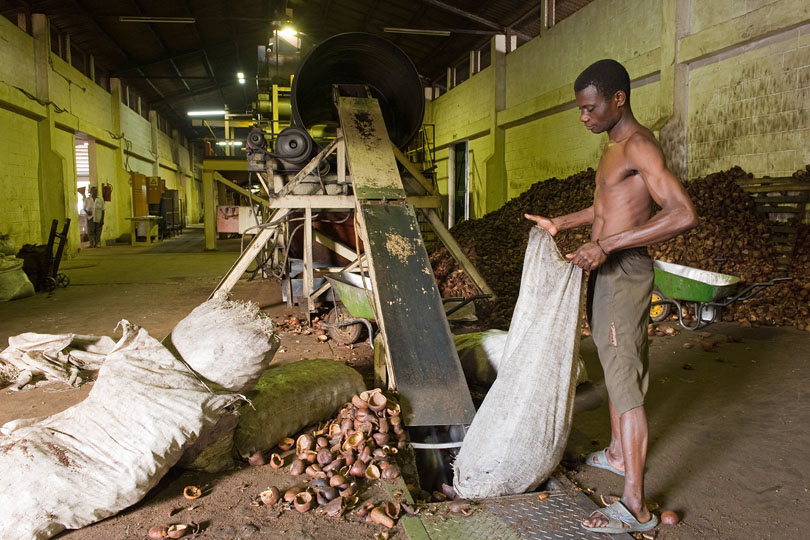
(228, 143)
(206, 113)
(288, 32)
(417, 31)
(174, 20)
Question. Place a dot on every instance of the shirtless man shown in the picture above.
(630, 177)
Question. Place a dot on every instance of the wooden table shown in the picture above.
(151, 224)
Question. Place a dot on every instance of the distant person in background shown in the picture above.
(94, 208)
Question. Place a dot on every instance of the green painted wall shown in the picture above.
(31, 177)
(722, 83)
(752, 109)
(18, 178)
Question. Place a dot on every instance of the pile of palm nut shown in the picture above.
(340, 457)
(730, 228)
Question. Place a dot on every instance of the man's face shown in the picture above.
(597, 112)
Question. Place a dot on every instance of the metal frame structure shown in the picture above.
(408, 305)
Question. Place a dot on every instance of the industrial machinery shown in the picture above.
(352, 192)
(367, 92)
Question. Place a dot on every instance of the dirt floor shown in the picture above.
(728, 426)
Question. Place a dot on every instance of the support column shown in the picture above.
(122, 190)
(153, 119)
(308, 264)
(674, 96)
(51, 175)
(497, 187)
(209, 210)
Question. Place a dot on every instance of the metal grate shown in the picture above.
(520, 517)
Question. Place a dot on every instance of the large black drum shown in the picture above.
(359, 59)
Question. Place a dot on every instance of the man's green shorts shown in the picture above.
(618, 312)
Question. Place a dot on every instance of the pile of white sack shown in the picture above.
(146, 407)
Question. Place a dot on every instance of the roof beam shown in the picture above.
(370, 14)
(198, 36)
(224, 8)
(534, 9)
(162, 44)
(134, 66)
(196, 92)
(474, 17)
(103, 31)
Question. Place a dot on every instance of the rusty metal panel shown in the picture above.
(424, 366)
(369, 154)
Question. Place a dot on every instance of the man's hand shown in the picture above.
(587, 257)
(545, 223)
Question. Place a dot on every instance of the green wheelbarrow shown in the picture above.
(710, 292)
(345, 321)
(356, 308)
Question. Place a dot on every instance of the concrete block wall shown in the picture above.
(138, 132)
(19, 204)
(15, 45)
(74, 104)
(86, 101)
(464, 113)
(722, 83)
(752, 108)
(620, 29)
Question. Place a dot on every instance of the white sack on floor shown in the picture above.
(290, 397)
(104, 454)
(201, 339)
(519, 433)
(57, 357)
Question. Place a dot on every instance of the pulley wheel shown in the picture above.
(294, 144)
(357, 58)
(256, 139)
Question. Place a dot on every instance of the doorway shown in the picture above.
(84, 156)
(458, 184)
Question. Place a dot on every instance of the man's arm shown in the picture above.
(677, 213)
(560, 223)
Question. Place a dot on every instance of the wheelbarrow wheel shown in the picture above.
(49, 284)
(660, 312)
(345, 334)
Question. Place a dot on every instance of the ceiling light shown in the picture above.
(241, 77)
(206, 113)
(228, 143)
(175, 20)
(288, 32)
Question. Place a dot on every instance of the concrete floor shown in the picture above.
(728, 427)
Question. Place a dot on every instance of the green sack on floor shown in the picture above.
(14, 283)
(291, 397)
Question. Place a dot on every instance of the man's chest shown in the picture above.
(614, 167)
